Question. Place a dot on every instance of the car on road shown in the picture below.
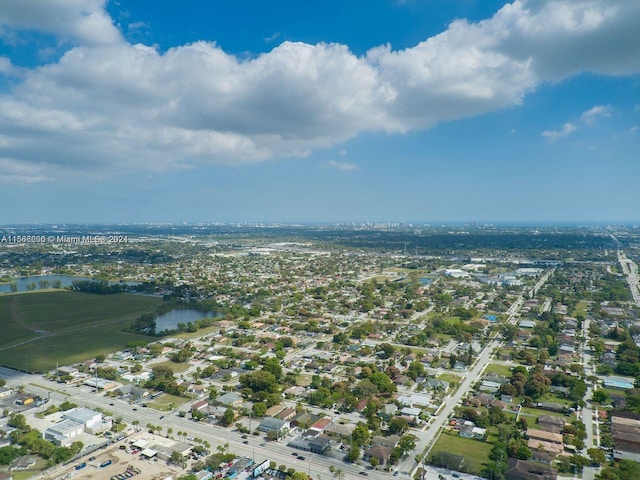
(245, 442)
(395, 474)
(134, 409)
(92, 458)
(161, 417)
(111, 404)
(300, 457)
(364, 473)
(243, 436)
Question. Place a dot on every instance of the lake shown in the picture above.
(170, 321)
(65, 281)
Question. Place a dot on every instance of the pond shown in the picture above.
(170, 321)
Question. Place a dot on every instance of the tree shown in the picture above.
(273, 365)
(353, 454)
(537, 385)
(177, 459)
(8, 454)
(360, 435)
(398, 426)
(600, 396)
(407, 443)
(259, 409)
(17, 420)
(228, 417)
(597, 456)
(259, 381)
(508, 331)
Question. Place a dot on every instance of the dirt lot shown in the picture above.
(150, 469)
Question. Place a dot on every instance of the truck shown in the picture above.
(81, 466)
(105, 464)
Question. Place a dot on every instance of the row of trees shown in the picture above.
(31, 441)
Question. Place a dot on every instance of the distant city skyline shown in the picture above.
(126, 111)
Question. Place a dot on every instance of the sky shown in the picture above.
(432, 111)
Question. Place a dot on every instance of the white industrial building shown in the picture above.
(92, 421)
(63, 433)
(76, 422)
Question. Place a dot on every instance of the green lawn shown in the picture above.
(449, 377)
(532, 415)
(475, 452)
(503, 370)
(176, 367)
(166, 402)
(581, 308)
(42, 329)
(452, 320)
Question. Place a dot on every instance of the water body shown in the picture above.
(426, 281)
(65, 281)
(170, 321)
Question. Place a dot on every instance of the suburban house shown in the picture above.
(525, 470)
(270, 424)
(379, 452)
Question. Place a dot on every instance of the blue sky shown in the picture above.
(378, 110)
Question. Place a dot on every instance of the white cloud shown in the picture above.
(344, 166)
(85, 21)
(108, 106)
(272, 38)
(137, 26)
(566, 129)
(599, 111)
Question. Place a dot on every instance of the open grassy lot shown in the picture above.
(504, 370)
(532, 414)
(176, 367)
(166, 402)
(475, 452)
(581, 308)
(449, 377)
(38, 330)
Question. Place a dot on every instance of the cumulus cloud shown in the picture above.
(108, 105)
(85, 21)
(566, 129)
(344, 166)
(594, 113)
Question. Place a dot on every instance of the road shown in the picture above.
(630, 271)
(257, 448)
(429, 435)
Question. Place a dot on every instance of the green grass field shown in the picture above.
(166, 402)
(38, 330)
(475, 452)
(532, 415)
(176, 367)
(449, 377)
(504, 370)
